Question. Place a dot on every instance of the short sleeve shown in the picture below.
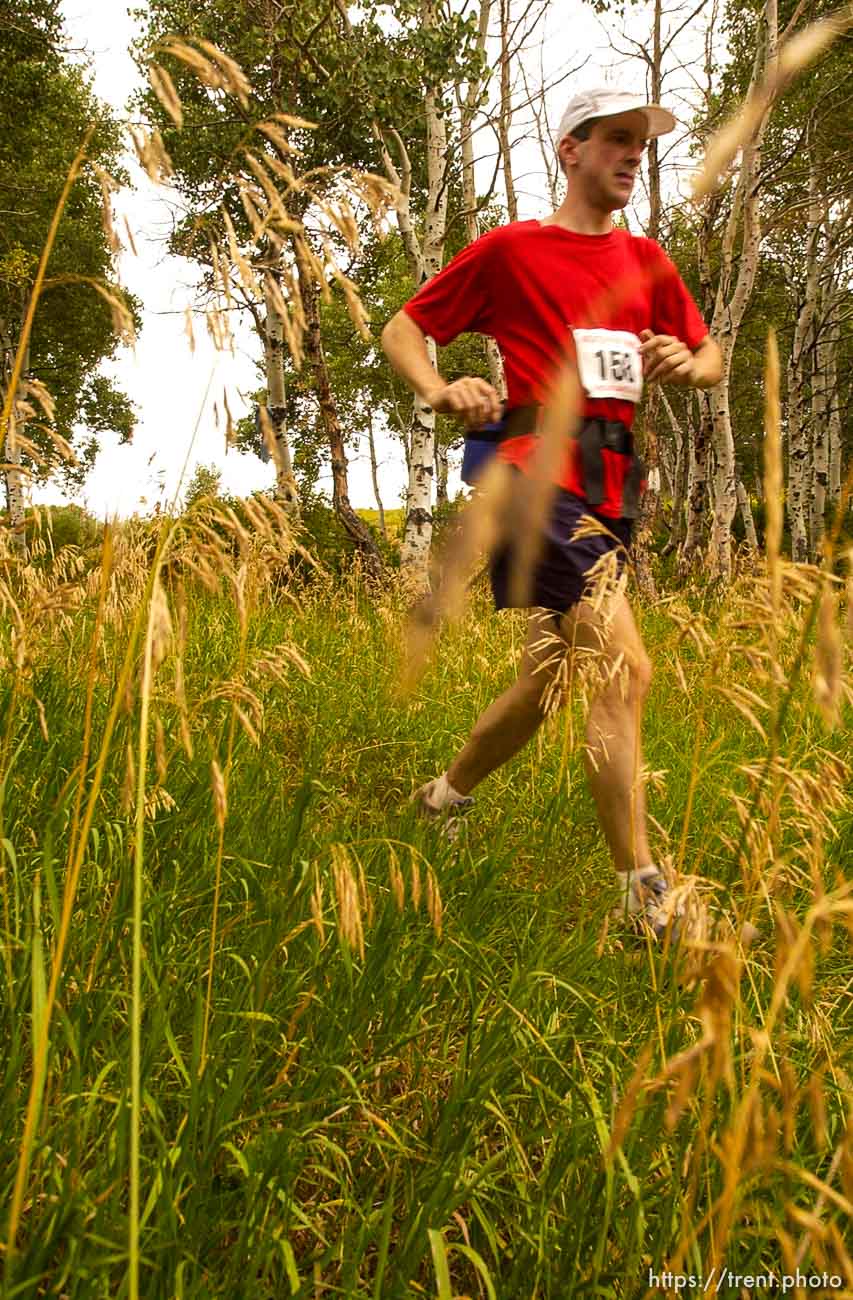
(673, 308)
(458, 299)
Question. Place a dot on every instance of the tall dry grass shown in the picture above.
(266, 1036)
(367, 1062)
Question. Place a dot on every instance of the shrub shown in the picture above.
(69, 525)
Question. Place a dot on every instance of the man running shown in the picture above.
(571, 282)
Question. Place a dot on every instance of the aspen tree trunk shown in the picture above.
(821, 398)
(697, 438)
(724, 481)
(424, 261)
(799, 366)
(651, 497)
(467, 109)
(505, 113)
(730, 306)
(417, 537)
(417, 533)
(406, 436)
(679, 493)
(677, 474)
(653, 163)
(699, 446)
(649, 505)
(355, 527)
(374, 475)
(834, 424)
(798, 463)
(746, 515)
(15, 479)
(15, 500)
(285, 483)
(668, 466)
(440, 474)
(826, 415)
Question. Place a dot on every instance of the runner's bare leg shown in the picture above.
(509, 722)
(613, 756)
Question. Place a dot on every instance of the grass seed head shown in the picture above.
(152, 155)
(350, 927)
(398, 888)
(164, 88)
(435, 908)
(220, 796)
(161, 625)
(317, 910)
(218, 70)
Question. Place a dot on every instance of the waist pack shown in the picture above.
(594, 436)
(482, 444)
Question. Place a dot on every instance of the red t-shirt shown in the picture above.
(529, 285)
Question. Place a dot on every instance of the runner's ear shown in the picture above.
(568, 152)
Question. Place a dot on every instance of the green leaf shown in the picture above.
(439, 1259)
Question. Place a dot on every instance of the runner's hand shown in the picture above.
(666, 359)
(473, 400)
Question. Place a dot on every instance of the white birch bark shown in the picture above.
(730, 305)
(417, 535)
(834, 424)
(826, 409)
(651, 498)
(746, 515)
(374, 475)
(799, 373)
(467, 110)
(677, 468)
(417, 530)
(505, 113)
(699, 446)
(15, 497)
(441, 471)
(821, 433)
(14, 473)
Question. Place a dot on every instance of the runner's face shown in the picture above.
(607, 163)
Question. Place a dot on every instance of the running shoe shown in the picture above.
(646, 901)
(450, 815)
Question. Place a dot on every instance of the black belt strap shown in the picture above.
(595, 436)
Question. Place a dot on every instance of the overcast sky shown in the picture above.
(166, 382)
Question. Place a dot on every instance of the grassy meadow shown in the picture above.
(266, 1035)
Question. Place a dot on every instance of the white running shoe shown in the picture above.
(450, 813)
(646, 901)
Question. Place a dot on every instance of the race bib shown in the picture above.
(610, 364)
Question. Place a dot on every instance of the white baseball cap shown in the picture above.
(607, 102)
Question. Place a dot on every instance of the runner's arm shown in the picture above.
(404, 344)
(669, 361)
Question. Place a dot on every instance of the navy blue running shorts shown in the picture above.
(562, 573)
